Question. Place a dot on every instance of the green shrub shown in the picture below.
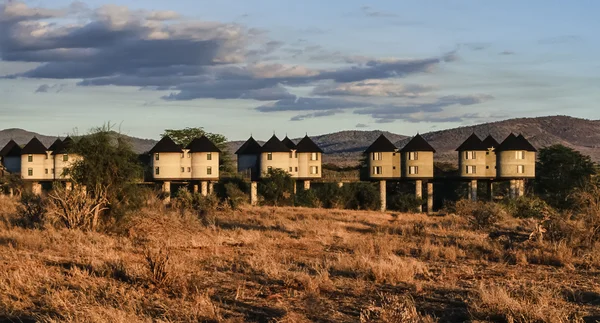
(31, 212)
(481, 215)
(404, 203)
(330, 195)
(234, 192)
(186, 200)
(307, 198)
(529, 207)
(277, 188)
(361, 196)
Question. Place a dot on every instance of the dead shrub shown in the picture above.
(158, 264)
(394, 308)
(75, 209)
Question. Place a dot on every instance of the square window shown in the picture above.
(314, 156)
(30, 158)
(208, 170)
(377, 170)
(157, 171)
(470, 155)
(314, 170)
(520, 169)
(295, 154)
(471, 169)
(189, 169)
(269, 168)
(182, 169)
(290, 169)
(520, 155)
(291, 154)
(209, 156)
(413, 170)
(65, 157)
(30, 172)
(157, 156)
(182, 155)
(269, 156)
(46, 170)
(377, 156)
(413, 155)
(296, 169)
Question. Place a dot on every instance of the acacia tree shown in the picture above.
(560, 171)
(108, 169)
(184, 136)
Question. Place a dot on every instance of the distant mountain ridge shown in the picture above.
(345, 147)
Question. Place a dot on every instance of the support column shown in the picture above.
(430, 197)
(295, 187)
(490, 190)
(166, 188)
(383, 195)
(419, 192)
(513, 188)
(340, 184)
(68, 186)
(211, 188)
(36, 188)
(253, 193)
(204, 188)
(195, 188)
(306, 185)
(473, 190)
(520, 188)
(11, 192)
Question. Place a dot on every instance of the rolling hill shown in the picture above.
(345, 147)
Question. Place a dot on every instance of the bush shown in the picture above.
(361, 196)
(75, 209)
(233, 191)
(307, 198)
(277, 188)
(404, 203)
(481, 215)
(31, 213)
(529, 207)
(330, 195)
(203, 205)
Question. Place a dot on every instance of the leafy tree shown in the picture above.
(277, 187)
(560, 171)
(361, 196)
(108, 169)
(185, 136)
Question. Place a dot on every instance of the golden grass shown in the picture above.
(292, 265)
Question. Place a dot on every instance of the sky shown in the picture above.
(258, 67)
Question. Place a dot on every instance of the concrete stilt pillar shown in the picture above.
(430, 197)
(295, 187)
(307, 185)
(419, 192)
(490, 190)
(340, 184)
(166, 188)
(204, 188)
(513, 188)
(383, 195)
(11, 192)
(195, 188)
(68, 186)
(520, 188)
(473, 190)
(253, 193)
(211, 188)
(36, 188)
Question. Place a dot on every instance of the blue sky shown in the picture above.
(242, 67)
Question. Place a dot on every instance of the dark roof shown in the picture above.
(472, 143)
(417, 143)
(490, 142)
(306, 145)
(202, 145)
(66, 145)
(513, 142)
(381, 144)
(34, 147)
(274, 145)
(288, 143)
(11, 149)
(165, 145)
(56, 145)
(250, 147)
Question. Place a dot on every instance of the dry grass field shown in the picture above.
(292, 265)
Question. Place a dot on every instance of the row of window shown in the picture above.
(412, 170)
(473, 169)
(189, 170)
(314, 170)
(412, 155)
(46, 171)
(189, 155)
(30, 158)
(294, 154)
